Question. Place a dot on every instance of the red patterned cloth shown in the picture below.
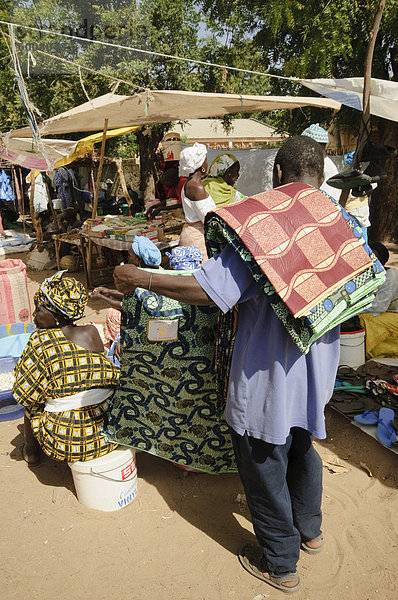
(301, 242)
(112, 323)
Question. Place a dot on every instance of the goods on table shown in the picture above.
(125, 229)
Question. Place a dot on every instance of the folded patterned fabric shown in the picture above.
(185, 258)
(159, 306)
(343, 296)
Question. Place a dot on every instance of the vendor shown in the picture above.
(381, 319)
(63, 378)
(196, 201)
(220, 183)
(169, 186)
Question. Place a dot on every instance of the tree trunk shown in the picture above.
(384, 203)
(148, 140)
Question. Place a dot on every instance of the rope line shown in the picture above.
(152, 53)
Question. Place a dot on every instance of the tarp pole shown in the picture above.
(101, 164)
(364, 130)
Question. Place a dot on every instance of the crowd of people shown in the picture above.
(275, 392)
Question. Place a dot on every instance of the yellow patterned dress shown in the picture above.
(53, 367)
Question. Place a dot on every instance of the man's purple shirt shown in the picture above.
(272, 385)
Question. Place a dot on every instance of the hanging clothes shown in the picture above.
(64, 182)
(6, 191)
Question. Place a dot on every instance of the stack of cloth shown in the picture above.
(306, 253)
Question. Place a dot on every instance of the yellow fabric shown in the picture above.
(63, 295)
(381, 334)
(52, 367)
(221, 192)
(86, 144)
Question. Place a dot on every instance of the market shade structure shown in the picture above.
(349, 91)
(162, 106)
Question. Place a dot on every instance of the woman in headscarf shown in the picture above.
(63, 378)
(143, 253)
(196, 201)
(220, 183)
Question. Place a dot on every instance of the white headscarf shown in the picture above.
(191, 159)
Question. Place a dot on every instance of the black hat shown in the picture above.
(359, 192)
(349, 180)
(375, 172)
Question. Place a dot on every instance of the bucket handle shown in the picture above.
(108, 478)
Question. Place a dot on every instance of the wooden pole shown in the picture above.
(364, 129)
(50, 201)
(118, 162)
(101, 164)
(36, 222)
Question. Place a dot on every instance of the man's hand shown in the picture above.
(127, 278)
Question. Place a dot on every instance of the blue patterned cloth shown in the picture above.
(185, 258)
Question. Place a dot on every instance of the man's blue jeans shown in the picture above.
(283, 486)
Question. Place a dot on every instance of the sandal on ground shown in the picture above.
(309, 549)
(251, 558)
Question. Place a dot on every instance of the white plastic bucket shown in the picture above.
(107, 483)
(352, 348)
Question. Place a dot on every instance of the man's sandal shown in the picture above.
(251, 558)
(309, 549)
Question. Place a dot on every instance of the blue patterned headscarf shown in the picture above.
(185, 258)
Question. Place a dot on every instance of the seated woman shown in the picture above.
(381, 319)
(220, 183)
(196, 201)
(169, 186)
(143, 253)
(63, 378)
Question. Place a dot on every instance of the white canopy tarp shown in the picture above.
(383, 94)
(162, 106)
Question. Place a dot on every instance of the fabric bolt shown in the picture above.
(300, 240)
(52, 367)
(64, 295)
(112, 323)
(159, 306)
(166, 401)
(344, 300)
(283, 486)
(272, 385)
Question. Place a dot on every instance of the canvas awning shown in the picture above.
(349, 91)
(50, 154)
(162, 106)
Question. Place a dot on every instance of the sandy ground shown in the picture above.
(178, 539)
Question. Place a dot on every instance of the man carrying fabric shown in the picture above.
(276, 394)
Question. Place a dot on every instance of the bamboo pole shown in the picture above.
(100, 166)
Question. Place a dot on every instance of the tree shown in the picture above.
(319, 38)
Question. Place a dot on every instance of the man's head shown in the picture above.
(299, 159)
